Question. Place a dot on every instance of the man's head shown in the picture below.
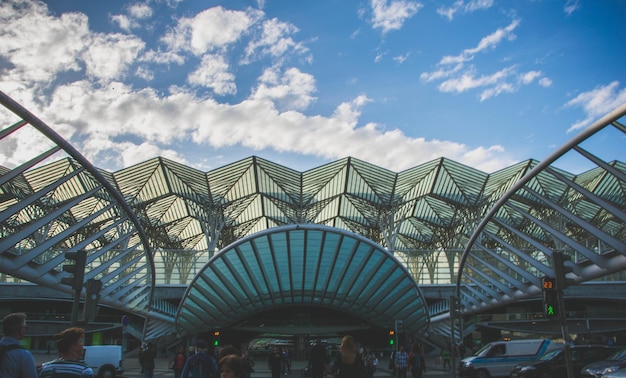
(201, 346)
(14, 325)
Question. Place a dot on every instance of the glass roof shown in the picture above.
(303, 265)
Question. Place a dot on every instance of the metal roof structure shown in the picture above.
(548, 210)
(163, 222)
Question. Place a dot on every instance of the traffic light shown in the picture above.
(550, 298)
(76, 268)
(90, 310)
(392, 335)
(216, 338)
(562, 266)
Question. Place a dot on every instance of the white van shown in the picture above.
(497, 358)
(106, 361)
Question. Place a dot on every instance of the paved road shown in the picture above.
(132, 369)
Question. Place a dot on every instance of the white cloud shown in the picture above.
(545, 82)
(529, 77)
(109, 56)
(114, 123)
(123, 21)
(457, 78)
(210, 30)
(469, 80)
(379, 56)
(391, 14)
(401, 58)
(274, 41)
(465, 7)
(597, 103)
(571, 6)
(130, 153)
(140, 11)
(213, 73)
(495, 38)
(488, 42)
(293, 90)
(136, 13)
(40, 46)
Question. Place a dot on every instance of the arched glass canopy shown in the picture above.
(303, 265)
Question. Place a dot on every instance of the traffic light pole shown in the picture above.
(560, 270)
(565, 333)
(75, 305)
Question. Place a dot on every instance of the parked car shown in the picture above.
(621, 373)
(613, 363)
(552, 364)
(497, 358)
(105, 360)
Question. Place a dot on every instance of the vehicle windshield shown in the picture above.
(550, 355)
(479, 351)
(620, 355)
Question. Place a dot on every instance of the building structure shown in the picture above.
(162, 223)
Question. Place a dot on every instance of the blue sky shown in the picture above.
(302, 83)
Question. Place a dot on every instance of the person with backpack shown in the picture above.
(15, 361)
(70, 346)
(200, 364)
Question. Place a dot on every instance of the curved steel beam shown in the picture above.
(80, 209)
(527, 223)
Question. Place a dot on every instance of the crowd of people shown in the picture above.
(198, 361)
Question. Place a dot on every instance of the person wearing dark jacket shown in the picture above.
(319, 359)
(147, 360)
(275, 362)
(200, 364)
(16, 362)
(348, 364)
(178, 363)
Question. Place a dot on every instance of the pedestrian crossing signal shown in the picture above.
(216, 338)
(550, 298)
(392, 334)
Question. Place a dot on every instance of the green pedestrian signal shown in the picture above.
(550, 298)
(216, 338)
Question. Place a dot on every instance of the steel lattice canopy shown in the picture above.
(303, 265)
